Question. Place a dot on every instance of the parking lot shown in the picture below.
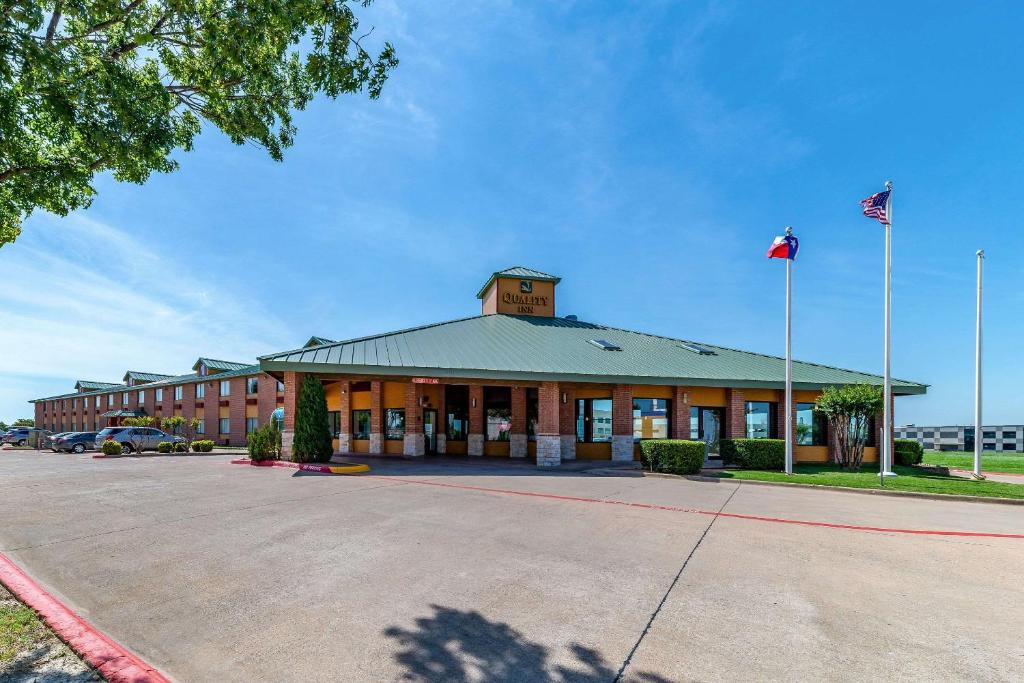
(495, 571)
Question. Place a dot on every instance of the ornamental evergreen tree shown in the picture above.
(312, 440)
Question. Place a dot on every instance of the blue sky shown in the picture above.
(647, 152)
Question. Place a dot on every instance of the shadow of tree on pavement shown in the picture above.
(457, 645)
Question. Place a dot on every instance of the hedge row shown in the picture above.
(754, 454)
(908, 452)
(674, 456)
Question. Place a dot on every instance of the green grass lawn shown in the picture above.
(910, 479)
(19, 628)
(1002, 462)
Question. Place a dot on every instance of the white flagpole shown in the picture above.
(977, 376)
(887, 393)
(789, 361)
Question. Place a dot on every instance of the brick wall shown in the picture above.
(476, 413)
(211, 414)
(266, 395)
(236, 410)
(681, 413)
(413, 408)
(566, 411)
(622, 410)
(518, 410)
(549, 402)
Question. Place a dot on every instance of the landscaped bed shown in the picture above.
(29, 651)
(990, 462)
(911, 479)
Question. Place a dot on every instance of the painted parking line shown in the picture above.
(714, 513)
(112, 660)
(352, 468)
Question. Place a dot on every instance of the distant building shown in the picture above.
(961, 438)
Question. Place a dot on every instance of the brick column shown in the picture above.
(566, 421)
(376, 417)
(266, 397)
(211, 412)
(735, 414)
(681, 413)
(780, 415)
(549, 443)
(292, 382)
(517, 439)
(345, 423)
(413, 444)
(188, 401)
(236, 411)
(442, 421)
(38, 414)
(475, 445)
(622, 423)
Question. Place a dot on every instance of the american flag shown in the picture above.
(876, 206)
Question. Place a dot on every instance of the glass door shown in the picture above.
(430, 431)
(711, 431)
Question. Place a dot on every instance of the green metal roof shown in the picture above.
(317, 341)
(214, 364)
(144, 376)
(168, 380)
(518, 272)
(537, 348)
(89, 385)
(123, 413)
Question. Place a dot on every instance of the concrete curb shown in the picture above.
(1001, 474)
(109, 658)
(872, 492)
(306, 467)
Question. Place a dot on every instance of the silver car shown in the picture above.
(135, 438)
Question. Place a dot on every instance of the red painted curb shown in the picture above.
(113, 661)
(305, 467)
(671, 508)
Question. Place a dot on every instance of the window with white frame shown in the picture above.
(178, 392)
(201, 390)
(225, 387)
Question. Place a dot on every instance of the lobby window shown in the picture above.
(651, 418)
(250, 423)
(457, 409)
(594, 420)
(498, 413)
(224, 425)
(201, 426)
(159, 394)
(334, 422)
(178, 392)
(866, 429)
(124, 398)
(361, 425)
(394, 424)
(280, 387)
(225, 387)
(532, 414)
(707, 424)
(760, 420)
(251, 385)
(810, 426)
(201, 390)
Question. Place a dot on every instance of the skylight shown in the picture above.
(697, 348)
(605, 344)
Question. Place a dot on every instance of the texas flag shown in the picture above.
(784, 246)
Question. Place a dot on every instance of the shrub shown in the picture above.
(164, 447)
(849, 410)
(312, 439)
(111, 447)
(202, 446)
(754, 454)
(180, 447)
(674, 456)
(265, 442)
(908, 452)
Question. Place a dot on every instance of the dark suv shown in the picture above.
(75, 442)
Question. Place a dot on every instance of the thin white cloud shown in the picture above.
(88, 300)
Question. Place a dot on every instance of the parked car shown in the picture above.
(132, 438)
(20, 436)
(50, 441)
(75, 442)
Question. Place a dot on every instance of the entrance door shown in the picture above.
(710, 430)
(430, 431)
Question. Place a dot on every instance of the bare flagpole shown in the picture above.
(886, 463)
(789, 361)
(977, 376)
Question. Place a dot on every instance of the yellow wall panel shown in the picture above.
(593, 451)
(651, 391)
(360, 400)
(393, 447)
(455, 448)
(360, 446)
(394, 394)
(706, 396)
(496, 449)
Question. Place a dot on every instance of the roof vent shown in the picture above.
(605, 344)
(697, 348)
(572, 318)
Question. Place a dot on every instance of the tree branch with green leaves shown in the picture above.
(109, 85)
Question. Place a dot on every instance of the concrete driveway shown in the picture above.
(489, 571)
